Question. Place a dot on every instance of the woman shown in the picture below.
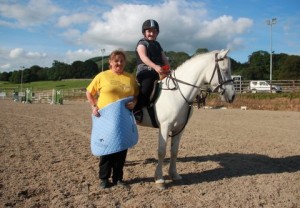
(110, 86)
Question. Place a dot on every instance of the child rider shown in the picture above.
(150, 60)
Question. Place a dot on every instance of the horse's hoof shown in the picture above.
(160, 184)
(176, 177)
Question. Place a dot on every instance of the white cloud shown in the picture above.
(12, 59)
(224, 27)
(35, 55)
(34, 13)
(184, 26)
(235, 44)
(72, 36)
(179, 22)
(20, 53)
(74, 19)
(81, 55)
(16, 53)
(4, 67)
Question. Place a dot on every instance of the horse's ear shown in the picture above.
(223, 53)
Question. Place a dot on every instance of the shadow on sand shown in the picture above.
(232, 165)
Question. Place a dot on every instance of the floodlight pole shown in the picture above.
(271, 22)
(102, 51)
(22, 69)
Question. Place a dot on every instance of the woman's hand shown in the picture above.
(130, 105)
(95, 111)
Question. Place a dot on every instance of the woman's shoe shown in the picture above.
(104, 183)
(121, 183)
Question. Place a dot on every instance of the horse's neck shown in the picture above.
(194, 73)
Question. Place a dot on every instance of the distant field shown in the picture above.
(47, 85)
(75, 89)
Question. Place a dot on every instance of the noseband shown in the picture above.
(221, 82)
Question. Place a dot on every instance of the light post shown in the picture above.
(102, 51)
(22, 69)
(271, 22)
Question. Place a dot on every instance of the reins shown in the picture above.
(201, 97)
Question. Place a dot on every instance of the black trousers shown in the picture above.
(112, 164)
(146, 79)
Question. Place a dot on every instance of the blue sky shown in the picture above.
(37, 32)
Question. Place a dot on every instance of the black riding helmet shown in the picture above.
(150, 23)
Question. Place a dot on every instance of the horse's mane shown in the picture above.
(198, 55)
(204, 54)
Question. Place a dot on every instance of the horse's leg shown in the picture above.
(173, 158)
(162, 144)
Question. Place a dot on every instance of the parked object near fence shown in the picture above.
(57, 97)
(237, 83)
(28, 95)
(264, 86)
(2, 95)
(49, 97)
(287, 86)
(243, 107)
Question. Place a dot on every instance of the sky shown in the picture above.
(37, 32)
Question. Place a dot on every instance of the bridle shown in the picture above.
(203, 91)
(221, 82)
(201, 97)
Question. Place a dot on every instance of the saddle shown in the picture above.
(150, 106)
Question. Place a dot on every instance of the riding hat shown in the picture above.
(150, 23)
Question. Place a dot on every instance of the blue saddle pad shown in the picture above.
(115, 130)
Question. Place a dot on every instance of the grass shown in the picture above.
(47, 85)
(268, 101)
(260, 101)
(83, 83)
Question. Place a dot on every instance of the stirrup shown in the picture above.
(138, 115)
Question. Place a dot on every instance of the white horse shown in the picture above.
(178, 92)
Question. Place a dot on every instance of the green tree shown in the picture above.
(236, 67)
(131, 65)
(177, 58)
(290, 68)
(33, 73)
(201, 50)
(59, 71)
(76, 69)
(90, 69)
(42, 74)
(15, 77)
(258, 66)
(4, 76)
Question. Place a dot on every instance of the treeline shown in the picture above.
(285, 67)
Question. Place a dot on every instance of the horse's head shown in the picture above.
(221, 80)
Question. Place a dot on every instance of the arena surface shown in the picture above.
(227, 157)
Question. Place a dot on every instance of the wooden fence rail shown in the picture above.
(286, 85)
(240, 86)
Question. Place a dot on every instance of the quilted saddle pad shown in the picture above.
(115, 130)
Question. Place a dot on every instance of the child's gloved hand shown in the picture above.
(166, 69)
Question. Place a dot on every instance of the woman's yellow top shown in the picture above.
(111, 87)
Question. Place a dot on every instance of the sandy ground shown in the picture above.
(228, 158)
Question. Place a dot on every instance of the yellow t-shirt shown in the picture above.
(111, 87)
